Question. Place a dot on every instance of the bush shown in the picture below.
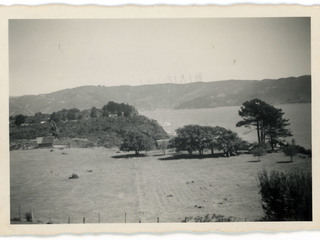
(259, 150)
(302, 150)
(286, 197)
(28, 216)
(291, 150)
(213, 218)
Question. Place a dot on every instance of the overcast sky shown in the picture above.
(50, 55)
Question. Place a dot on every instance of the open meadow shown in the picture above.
(116, 187)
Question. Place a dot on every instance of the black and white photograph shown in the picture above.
(189, 120)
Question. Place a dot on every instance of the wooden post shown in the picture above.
(69, 220)
(84, 220)
(98, 217)
(125, 217)
(31, 215)
(139, 220)
(157, 219)
(19, 212)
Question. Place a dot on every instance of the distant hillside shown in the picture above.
(169, 96)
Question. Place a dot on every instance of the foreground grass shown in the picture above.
(118, 187)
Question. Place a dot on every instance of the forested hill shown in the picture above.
(169, 96)
(106, 127)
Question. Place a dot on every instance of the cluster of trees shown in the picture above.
(267, 120)
(271, 128)
(198, 138)
(20, 119)
(114, 122)
(109, 110)
(119, 124)
(113, 109)
(67, 114)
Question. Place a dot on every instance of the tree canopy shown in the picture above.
(119, 109)
(137, 141)
(102, 129)
(197, 138)
(266, 119)
(20, 119)
(291, 150)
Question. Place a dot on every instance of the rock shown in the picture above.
(74, 176)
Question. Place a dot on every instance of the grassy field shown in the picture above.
(119, 186)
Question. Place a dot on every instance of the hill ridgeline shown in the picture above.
(169, 95)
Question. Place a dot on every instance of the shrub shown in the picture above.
(302, 150)
(286, 197)
(213, 218)
(291, 150)
(259, 150)
(28, 216)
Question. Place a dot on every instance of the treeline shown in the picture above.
(112, 109)
(267, 120)
(192, 138)
(104, 127)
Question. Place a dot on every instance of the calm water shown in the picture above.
(299, 116)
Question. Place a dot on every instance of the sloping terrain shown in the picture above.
(169, 96)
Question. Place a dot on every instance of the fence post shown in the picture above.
(69, 220)
(157, 219)
(84, 220)
(99, 217)
(125, 217)
(19, 212)
(31, 215)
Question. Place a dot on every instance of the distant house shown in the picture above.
(45, 142)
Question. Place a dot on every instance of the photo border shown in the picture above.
(147, 12)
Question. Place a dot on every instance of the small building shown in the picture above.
(45, 142)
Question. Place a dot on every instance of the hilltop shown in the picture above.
(106, 127)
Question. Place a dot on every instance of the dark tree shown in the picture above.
(228, 141)
(190, 138)
(54, 129)
(120, 109)
(73, 114)
(290, 150)
(95, 113)
(137, 141)
(38, 117)
(54, 117)
(259, 150)
(20, 119)
(275, 126)
(197, 138)
(266, 119)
